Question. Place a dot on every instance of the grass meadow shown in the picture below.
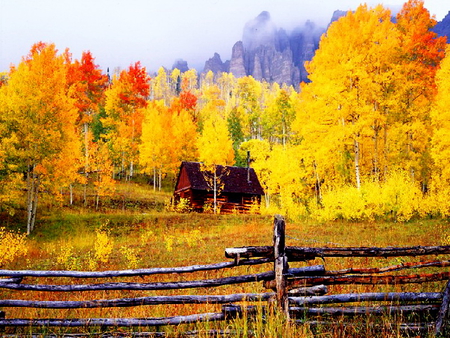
(137, 231)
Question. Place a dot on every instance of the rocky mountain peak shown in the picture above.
(260, 31)
(442, 28)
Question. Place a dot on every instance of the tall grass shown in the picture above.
(79, 239)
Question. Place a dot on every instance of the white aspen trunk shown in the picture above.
(160, 179)
(29, 198)
(357, 171)
(317, 187)
(123, 166)
(32, 199)
(267, 199)
(35, 203)
(71, 194)
(154, 178)
(215, 190)
(86, 161)
(132, 141)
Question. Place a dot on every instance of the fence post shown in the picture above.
(443, 311)
(280, 264)
(2, 316)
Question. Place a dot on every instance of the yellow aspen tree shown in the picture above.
(259, 151)
(102, 171)
(227, 84)
(160, 87)
(440, 150)
(153, 148)
(40, 119)
(189, 80)
(215, 148)
(345, 103)
(249, 92)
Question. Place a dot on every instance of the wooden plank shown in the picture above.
(140, 301)
(443, 311)
(316, 290)
(157, 286)
(125, 273)
(410, 327)
(306, 253)
(250, 251)
(363, 310)
(113, 322)
(309, 253)
(432, 297)
(398, 267)
(364, 280)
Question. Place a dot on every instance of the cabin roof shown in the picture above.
(235, 179)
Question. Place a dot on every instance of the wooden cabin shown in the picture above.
(240, 187)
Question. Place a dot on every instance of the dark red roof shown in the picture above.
(235, 179)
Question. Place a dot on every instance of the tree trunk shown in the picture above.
(160, 179)
(357, 172)
(154, 178)
(86, 162)
(131, 169)
(317, 188)
(71, 194)
(32, 197)
(215, 190)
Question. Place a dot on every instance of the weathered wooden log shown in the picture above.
(379, 310)
(412, 327)
(443, 311)
(432, 297)
(126, 302)
(232, 311)
(148, 334)
(280, 265)
(106, 322)
(403, 266)
(11, 280)
(162, 285)
(316, 290)
(129, 273)
(365, 280)
(305, 253)
(250, 251)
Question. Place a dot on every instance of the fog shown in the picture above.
(120, 32)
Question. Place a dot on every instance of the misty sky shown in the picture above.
(155, 32)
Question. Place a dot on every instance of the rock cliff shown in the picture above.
(442, 28)
(271, 54)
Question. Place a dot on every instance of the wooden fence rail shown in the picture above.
(300, 293)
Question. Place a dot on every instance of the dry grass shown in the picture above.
(149, 238)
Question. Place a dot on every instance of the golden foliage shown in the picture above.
(12, 246)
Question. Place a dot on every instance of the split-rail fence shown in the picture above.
(301, 293)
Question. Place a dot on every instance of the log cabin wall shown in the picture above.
(240, 190)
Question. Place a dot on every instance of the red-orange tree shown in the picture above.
(125, 102)
(87, 86)
(419, 55)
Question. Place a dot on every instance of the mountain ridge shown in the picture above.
(269, 53)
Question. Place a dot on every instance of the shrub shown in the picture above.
(12, 246)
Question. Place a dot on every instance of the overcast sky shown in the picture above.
(155, 32)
